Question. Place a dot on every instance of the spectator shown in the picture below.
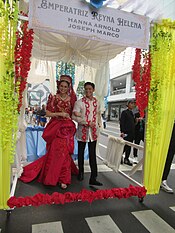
(171, 151)
(139, 134)
(30, 115)
(35, 110)
(127, 128)
(42, 114)
(37, 117)
(104, 120)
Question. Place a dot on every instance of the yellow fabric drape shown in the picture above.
(8, 99)
(161, 106)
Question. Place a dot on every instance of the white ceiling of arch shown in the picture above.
(53, 46)
(154, 9)
(94, 53)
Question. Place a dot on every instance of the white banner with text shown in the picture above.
(77, 18)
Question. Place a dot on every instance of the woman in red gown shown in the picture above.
(56, 166)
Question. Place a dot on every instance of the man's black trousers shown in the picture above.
(92, 158)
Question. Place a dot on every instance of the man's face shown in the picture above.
(89, 91)
(131, 105)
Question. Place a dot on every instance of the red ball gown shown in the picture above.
(56, 166)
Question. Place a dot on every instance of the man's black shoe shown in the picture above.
(80, 176)
(95, 182)
(127, 162)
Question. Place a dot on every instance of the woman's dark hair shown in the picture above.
(89, 83)
(65, 82)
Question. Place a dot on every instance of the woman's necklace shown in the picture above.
(63, 97)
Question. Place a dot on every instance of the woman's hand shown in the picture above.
(65, 115)
(57, 114)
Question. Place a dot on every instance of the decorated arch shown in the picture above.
(90, 51)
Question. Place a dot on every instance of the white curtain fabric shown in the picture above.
(84, 72)
(41, 70)
(21, 153)
(101, 81)
(99, 76)
(55, 47)
(90, 57)
(114, 152)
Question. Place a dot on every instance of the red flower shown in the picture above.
(58, 198)
(22, 53)
(141, 76)
(84, 195)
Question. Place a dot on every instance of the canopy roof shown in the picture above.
(154, 9)
(90, 54)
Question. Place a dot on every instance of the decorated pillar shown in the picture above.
(161, 110)
(8, 97)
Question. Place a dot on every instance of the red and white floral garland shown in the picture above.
(68, 197)
(142, 77)
(23, 49)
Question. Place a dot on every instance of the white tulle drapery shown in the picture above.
(90, 57)
(21, 153)
(40, 71)
(55, 47)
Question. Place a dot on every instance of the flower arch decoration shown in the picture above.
(142, 77)
(23, 50)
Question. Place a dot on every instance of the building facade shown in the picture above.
(122, 87)
(37, 94)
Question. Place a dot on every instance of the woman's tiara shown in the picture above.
(66, 78)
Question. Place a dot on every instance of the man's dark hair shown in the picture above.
(89, 83)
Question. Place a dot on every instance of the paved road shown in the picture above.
(156, 214)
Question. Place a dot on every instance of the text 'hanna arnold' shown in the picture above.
(101, 29)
